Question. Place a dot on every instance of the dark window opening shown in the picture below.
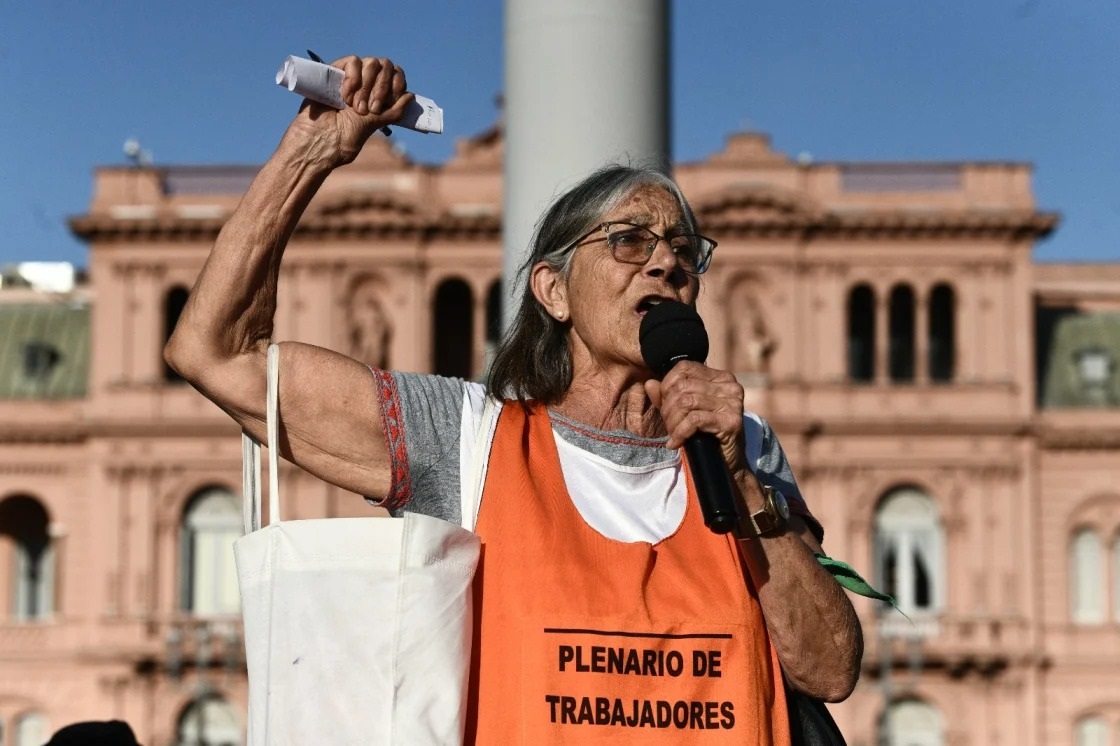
(494, 313)
(923, 587)
(890, 572)
(901, 349)
(453, 330)
(39, 359)
(942, 334)
(173, 305)
(861, 334)
(25, 521)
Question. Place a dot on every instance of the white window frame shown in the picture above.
(30, 729)
(913, 722)
(1091, 730)
(33, 603)
(907, 520)
(1086, 578)
(208, 575)
(222, 730)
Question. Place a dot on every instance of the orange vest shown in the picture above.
(583, 639)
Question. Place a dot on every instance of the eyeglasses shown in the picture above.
(634, 244)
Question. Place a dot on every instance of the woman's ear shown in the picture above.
(550, 290)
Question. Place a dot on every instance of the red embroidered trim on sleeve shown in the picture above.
(392, 420)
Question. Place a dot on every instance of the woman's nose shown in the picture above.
(663, 261)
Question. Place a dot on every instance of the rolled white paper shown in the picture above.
(323, 84)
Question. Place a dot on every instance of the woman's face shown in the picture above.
(607, 299)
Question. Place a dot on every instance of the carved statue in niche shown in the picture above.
(751, 342)
(368, 325)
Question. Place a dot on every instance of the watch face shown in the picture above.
(781, 505)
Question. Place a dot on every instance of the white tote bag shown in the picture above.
(357, 630)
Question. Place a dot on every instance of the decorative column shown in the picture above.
(147, 324)
(921, 335)
(882, 335)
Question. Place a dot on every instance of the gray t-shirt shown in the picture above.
(424, 415)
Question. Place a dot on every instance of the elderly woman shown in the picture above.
(606, 607)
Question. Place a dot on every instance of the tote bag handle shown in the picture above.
(251, 456)
(251, 459)
(471, 498)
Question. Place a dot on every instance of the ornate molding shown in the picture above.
(62, 433)
(899, 427)
(877, 225)
(1079, 439)
(33, 470)
(314, 226)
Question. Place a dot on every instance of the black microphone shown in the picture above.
(671, 332)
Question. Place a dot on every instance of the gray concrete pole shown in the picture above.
(586, 84)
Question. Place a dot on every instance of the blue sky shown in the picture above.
(1024, 80)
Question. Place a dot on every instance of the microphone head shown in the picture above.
(672, 331)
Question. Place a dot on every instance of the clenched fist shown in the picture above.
(374, 89)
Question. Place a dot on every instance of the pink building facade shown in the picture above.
(951, 409)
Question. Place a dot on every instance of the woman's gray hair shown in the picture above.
(534, 361)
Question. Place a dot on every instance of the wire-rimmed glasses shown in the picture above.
(635, 244)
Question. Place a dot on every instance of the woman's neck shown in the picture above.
(607, 402)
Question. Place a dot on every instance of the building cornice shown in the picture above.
(812, 427)
(742, 214)
(170, 228)
(1088, 439)
(59, 433)
(1087, 436)
(1011, 226)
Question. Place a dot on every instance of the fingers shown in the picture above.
(382, 87)
(372, 85)
(352, 66)
(400, 85)
(396, 111)
(694, 398)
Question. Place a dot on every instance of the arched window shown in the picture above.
(173, 304)
(1091, 730)
(913, 723)
(1086, 586)
(909, 548)
(29, 729)
(208, 721)
(453, 330)
(24, 528)
(493, 321)
(211, 523)
(901, 342)
(942, 333)
(861, 334)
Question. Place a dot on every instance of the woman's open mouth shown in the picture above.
(649, 302)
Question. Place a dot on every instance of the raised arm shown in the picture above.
(328, 403)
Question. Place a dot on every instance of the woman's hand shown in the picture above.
(375, 92)
(694, 398)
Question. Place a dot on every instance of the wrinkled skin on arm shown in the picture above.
(329, 422)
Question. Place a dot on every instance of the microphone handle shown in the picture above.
(714, 490)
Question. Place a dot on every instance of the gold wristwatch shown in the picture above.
(774, 514)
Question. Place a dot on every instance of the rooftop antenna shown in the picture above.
(135, 153)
